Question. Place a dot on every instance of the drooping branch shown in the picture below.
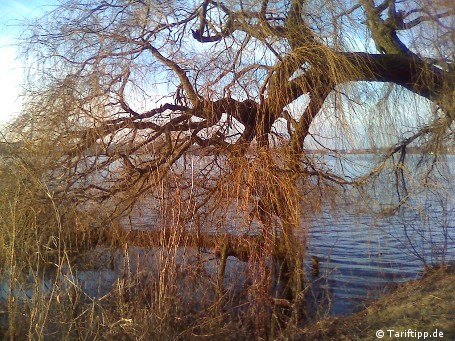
(407, 71)
(302, 128)
(401, 146)
(298, 58)
(426, 17)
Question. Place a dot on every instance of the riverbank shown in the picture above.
(423, 305)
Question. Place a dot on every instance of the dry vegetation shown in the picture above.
(425, 305)
(199, 117)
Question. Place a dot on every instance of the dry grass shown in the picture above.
(423, 305)
(162, 288)
(177, 282)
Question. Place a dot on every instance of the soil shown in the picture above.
(426, 305)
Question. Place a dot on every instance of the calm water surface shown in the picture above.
(359, 253)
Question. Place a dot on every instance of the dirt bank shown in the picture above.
(424, 305)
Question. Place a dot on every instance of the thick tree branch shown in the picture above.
(410, 72)
(407, 71)
(383, 32)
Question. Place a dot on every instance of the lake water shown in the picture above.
(359, 254)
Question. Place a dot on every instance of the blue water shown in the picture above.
(361, 248)
(360, 253)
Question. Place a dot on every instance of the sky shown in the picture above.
(12, 12)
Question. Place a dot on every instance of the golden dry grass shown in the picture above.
(423, 305)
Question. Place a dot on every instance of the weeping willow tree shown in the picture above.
(214, 108)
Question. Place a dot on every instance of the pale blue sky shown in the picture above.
(12, 13)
